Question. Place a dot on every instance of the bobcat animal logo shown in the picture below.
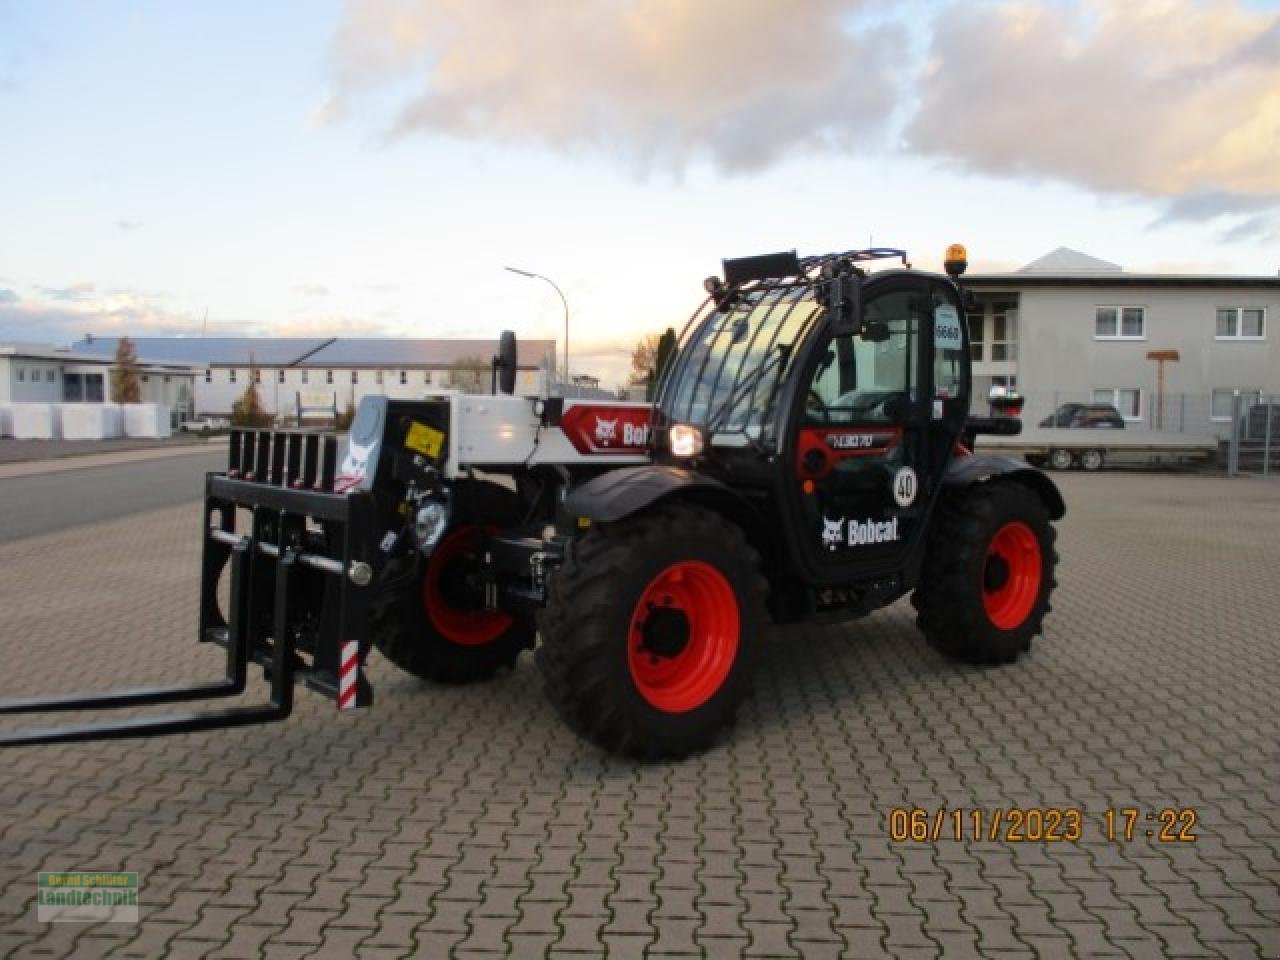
(832, 532)
(606, 431)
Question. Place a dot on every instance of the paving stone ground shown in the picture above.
(470, 823)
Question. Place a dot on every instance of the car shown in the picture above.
(1102, 415)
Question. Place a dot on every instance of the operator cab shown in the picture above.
(836, 395)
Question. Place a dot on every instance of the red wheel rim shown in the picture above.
(1011, 575)
(676, 676)
(468, 627)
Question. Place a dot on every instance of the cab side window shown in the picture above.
(859, 375)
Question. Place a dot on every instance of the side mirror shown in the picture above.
(504, 363)
(844, 300)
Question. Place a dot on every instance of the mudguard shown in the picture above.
(620, 493)
(966, 471)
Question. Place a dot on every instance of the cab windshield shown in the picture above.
(730, 366)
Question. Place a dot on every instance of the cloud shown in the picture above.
(311, 290)
(128, 225)
(1155, 97)
(75, 293)
(742, 83)
(8, 296)
(58, 318)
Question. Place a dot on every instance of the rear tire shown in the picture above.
(652, 631)
(1092, 460)
(436, 628)
(988, 574)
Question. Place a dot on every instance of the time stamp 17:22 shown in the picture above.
(1041, 824)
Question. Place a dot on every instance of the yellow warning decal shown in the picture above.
(423, 439)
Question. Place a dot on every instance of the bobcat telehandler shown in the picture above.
(805, 458)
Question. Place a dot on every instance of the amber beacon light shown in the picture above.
(957, 260)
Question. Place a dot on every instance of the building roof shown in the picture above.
(1064, 260)
(315, 351)
(266, 351)
(29, 350)
(1065, 267)
(381, 352)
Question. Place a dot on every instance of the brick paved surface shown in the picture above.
(469, 822)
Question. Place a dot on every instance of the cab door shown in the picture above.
(873, 424)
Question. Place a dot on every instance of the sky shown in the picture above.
(369, 168)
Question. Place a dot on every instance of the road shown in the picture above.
(56, 501)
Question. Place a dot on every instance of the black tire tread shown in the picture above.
(948, 604)
(402, 633)
(577, 649)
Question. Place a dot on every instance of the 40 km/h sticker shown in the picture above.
(904, 487)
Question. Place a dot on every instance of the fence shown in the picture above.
(1255, 437)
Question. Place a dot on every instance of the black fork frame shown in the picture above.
(265, 564)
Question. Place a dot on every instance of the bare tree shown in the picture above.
(248, 411)
(126, 379)
(469, 374)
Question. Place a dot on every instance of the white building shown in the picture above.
(41, 373)
(326, 373)
(1071, 328)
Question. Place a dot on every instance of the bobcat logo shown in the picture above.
(606, 431)
(832, 532)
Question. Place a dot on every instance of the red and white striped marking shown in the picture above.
(348, 674)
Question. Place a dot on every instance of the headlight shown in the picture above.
(429, 524)
(686, 441)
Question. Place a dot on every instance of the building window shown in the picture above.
(993, 331)
(279, 376)
(146, 378)
(1127, 400)
(257, 376)
(1241, 323)
(49, 376)
(1120, 323)
(208, 375)
(328, 376)
(1223, 401)
(231, 375)
(166, 378)
(426, 376)
(22, 374)
(404, 378)
(378, 378)
(355, 376)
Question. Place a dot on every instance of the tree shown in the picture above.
(469, 373)
(248, 411)
(643, 356)
(126, 380)
(650, 357)
(662, 355)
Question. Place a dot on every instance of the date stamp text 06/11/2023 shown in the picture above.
(1042, 824)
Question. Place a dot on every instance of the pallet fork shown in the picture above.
(274, 581)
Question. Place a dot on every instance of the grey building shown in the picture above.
(43, 373)
(1169, 351)
(332, 372)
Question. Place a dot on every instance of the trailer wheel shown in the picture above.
(988, 573)
(652, 630)
(1061, 459)
(1092, 460)
(438, 629)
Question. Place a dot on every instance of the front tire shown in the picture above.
(988, 574)
(652, 630)
(437, 628)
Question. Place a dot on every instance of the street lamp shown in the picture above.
(554, 286)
